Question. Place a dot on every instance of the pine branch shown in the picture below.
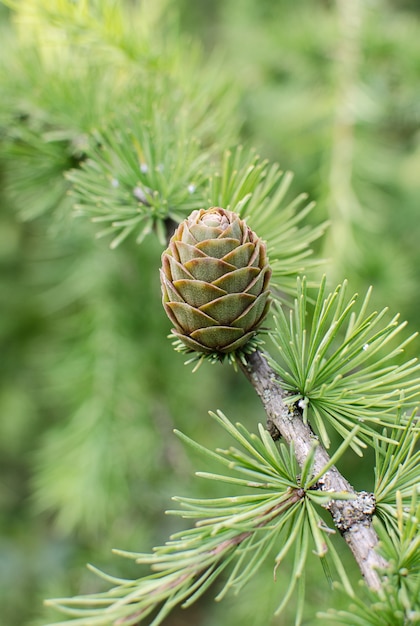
(340, 365)
(234, 534)
(353, 518)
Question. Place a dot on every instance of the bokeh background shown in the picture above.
(90, 388)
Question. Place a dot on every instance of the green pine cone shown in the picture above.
(214, 277)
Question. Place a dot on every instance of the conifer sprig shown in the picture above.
(94, 73)
(341, 365)
(397, 471)
(139, 174)
(280, 515)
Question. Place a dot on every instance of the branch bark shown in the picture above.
(353, 518)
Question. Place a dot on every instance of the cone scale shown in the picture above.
(214, 278)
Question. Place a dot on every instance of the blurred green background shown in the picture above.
(90, 388)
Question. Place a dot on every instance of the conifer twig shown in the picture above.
(353, 518)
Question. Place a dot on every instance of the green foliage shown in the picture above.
(329, 92)
(100, 85)
(241, 532)
(108, 105)
(85, 380)
(34, 172)
(397, 471)
(152, 176)
(338, 366)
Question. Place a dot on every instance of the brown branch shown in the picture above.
(353, 518)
